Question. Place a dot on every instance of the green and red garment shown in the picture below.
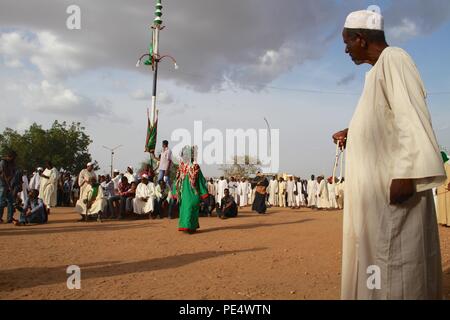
(189, 189)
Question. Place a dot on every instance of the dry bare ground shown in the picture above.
(286, 254)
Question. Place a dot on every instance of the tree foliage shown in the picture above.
(66, 145)
(243, 166)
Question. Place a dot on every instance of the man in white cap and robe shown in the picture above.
(49, 185)
(391, 244)
(143, 203)
(312, 188)
(273, 191)
(85, 177)
(130, 175)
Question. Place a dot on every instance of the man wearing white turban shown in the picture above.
(390, 242)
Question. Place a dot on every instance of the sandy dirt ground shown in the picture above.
(286, 254)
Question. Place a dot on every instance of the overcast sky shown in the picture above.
(240, 61)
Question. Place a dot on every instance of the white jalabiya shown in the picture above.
(84, 179)
(25, 189)
(49, 187)
(391, 137)
(312, 193)
(243, 189)
(232, 186)
(251, 194)
(221, 186)
(99, 204)
(273, 192)
(332, 195)
(322, 195)
(35, 181)
(144, 191)
(131, 177)
(443, 200)
(290, 186)
(300, 197)
(340, 186)
(282, 194)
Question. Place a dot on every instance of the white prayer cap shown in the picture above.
(365, 19)
(40, 169)
(89, 164)
(116, 171)
(144, 176)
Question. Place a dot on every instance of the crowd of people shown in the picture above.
(149, 194)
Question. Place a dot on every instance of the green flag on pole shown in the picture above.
(152, 131)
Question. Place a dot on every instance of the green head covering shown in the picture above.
(444, 156)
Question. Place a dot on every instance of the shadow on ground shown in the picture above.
(446, 284)
(44, 229)
(23, 278)
(252, 226)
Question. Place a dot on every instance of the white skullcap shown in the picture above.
(365, 19)
(144, 176)
(40, 169)
(115, 170)
(89, 164)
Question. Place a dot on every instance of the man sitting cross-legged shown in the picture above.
(162, 193)
(143, 203)
(33, 210)
(228, 207)
(92, 201)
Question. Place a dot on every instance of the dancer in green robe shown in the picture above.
(189, 189)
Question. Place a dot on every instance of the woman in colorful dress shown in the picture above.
(190, 187)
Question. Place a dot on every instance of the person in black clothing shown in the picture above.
(228, 207)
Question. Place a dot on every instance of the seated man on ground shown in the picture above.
(33, 210)
(118, 202)
(162, 193)
(92, 201)
(109, 193)
(143, 203)
(228, 207)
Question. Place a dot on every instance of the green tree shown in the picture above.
(66, 145)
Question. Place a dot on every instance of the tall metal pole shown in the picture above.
(112, 155)
(156, 28)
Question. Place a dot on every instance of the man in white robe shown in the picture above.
(290, 186)
(92, 200)
(232, 187)
(298, 194)
(332, 188)
(340, 193)
(35, 180)
(443, 196)
(130, 175)
(273, 192)
(312, 192)
(243, 193)
(391, 244)
(116, 179)
(49, 185)
(322, 193)
(25, 188)
(282, 193)
(143, 203)
(85, 177)
(221, 186)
